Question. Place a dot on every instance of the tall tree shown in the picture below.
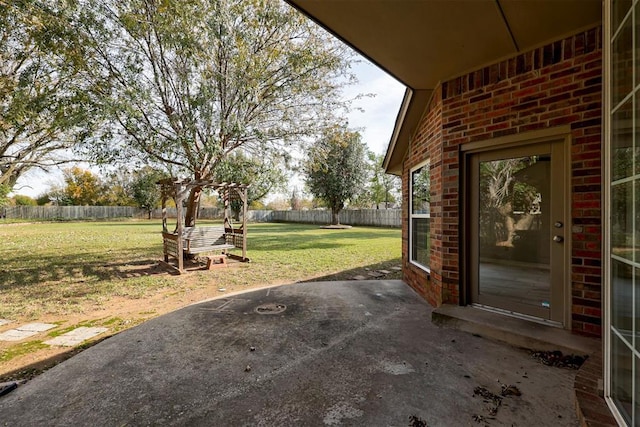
(384, 187)
(185, 83)
(145, 190)
(335, 169)
(43, 103)
(116, 188)
(82, 187)
(381, 187)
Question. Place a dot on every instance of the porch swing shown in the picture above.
(217, 240)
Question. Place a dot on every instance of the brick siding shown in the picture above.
(559, 84)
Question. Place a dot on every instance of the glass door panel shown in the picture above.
(518, 230)
(514, 230)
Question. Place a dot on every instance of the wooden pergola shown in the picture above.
(174, 244)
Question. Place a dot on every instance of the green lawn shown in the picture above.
(63, 268)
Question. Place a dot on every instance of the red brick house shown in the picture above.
(518, 147)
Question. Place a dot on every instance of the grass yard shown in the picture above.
(107, 273)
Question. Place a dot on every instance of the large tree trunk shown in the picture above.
(192, 207)
(335, 216)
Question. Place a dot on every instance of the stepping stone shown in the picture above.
(16, 335)
(358, 277)
(396, 268)
(36, 327)
(76, 336)
(4, 322)
(25, 331)
(375, 274)
(384, 271)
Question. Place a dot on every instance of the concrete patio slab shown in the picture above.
(333, 353)
(76, 336)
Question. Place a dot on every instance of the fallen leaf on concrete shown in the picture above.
(510, 390)
(416, 421)
(493, 399)
(478, 418)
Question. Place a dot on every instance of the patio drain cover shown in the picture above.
(271, 308)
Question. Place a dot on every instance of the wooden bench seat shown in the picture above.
(199, 240)
(205, 239)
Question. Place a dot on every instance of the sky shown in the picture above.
(380, 111)
(373, 116)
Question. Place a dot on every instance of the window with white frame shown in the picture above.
(419, 215)
(622, 327)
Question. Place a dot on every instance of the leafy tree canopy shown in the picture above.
(381, 188)
(4, 192)
(145, 190)
(82, 187)
(185, 83)
(44, 109)
(22, 200)
(263, 174)
(335, 169)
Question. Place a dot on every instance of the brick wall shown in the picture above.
(554, 85)
(427, 145)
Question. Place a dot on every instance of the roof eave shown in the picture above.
(411, 111)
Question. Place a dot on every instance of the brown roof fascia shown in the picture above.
(412, 108)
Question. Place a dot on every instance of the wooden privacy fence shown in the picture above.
(72, 212)
(366, 217)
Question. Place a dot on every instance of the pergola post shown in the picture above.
(179, 192)
(164, 213)
(243, 196)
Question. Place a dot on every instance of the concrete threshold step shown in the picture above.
(514, 331)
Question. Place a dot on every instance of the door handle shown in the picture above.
(558, 239)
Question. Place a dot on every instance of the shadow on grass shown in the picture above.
(57, 268)
(369, 272)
